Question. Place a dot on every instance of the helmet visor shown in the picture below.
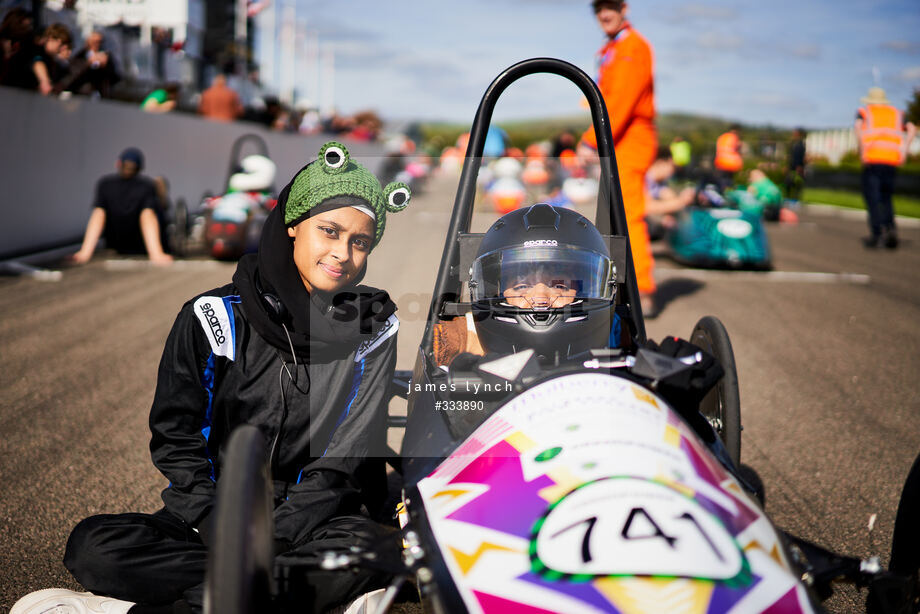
(542, 276)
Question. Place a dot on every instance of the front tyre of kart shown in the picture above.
(722, 405)
(901, 593)
(240, 577)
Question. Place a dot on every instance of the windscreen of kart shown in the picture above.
(542, 276)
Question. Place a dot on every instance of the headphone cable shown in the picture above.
(284, 407)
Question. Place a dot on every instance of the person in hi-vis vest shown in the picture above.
(884, 138)
(728, 160)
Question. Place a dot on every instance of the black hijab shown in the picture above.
(321, 327)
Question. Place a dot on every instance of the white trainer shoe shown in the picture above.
(63, 601)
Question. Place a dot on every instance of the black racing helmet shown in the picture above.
(543, 279)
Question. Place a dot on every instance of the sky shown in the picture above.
(779, 62)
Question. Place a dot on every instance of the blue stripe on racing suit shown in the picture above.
(207, 380)
(352, 394)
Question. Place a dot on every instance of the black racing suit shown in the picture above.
(218, 372)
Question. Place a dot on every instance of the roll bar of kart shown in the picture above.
(610, 217)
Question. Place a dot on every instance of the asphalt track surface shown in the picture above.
(828, 353)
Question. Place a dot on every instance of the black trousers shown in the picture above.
(878, 188)
(157, 560)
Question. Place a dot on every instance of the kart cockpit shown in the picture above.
(474, 289)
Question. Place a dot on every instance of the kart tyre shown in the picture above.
(901, 593)
(181, 229)
(240, 576)
(722, 405)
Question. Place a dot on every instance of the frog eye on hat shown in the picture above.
(397, 195)
(334, 157)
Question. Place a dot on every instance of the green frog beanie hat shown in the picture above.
(335, 180)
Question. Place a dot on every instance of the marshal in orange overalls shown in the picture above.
(626, 82)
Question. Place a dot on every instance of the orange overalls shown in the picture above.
(625, 80)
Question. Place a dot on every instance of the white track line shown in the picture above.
(771, 276)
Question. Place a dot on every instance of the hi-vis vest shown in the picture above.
(727, 156)
(881, 140)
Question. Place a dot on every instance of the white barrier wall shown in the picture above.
(52, 152)
(834, 144)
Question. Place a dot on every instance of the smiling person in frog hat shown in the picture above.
(295, 347)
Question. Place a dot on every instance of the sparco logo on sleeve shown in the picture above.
(215, 321)
(211, 318)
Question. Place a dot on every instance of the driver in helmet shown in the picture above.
(542, 279)
(544, 286)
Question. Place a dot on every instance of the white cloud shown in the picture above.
(806, 51)
(778, 100)
(723, 42)
(698, 11)
(910, 75)
(902, 46)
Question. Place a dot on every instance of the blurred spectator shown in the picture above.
(795, 170)
(728, 159)
(264, 111)
(248, 87)
(48, 65)
(283, 119)
(220, 102)
(67, 16)
(768, 195)
(93, 69)
(496, 142)
(162, 42)
(662, 198)
(367, 126)
(310, 121)
(162, 100)
(681, 155)
(18, 49)
(337, 124)
(125, 211)
(565, 141)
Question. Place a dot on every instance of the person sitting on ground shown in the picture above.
(17, 49)
(125, 210)
(767, 193)
(295, 347)
(662, 201)
(162, 99)
(220, 102)
(662, 198)
(47, 66)
(94, 69)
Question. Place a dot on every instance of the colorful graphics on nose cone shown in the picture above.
(587, 493)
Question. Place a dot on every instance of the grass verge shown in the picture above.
(903, 205)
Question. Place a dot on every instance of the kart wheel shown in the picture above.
(892, 595)
(181, 229)
(722, 405)
(240, 561)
